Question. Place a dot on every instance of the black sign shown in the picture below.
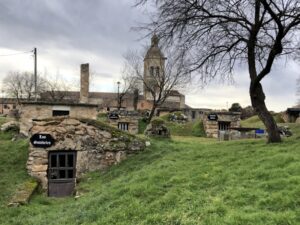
(113, 116)
(42, 140)
(213, 117)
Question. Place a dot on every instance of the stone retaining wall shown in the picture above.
(132, 122)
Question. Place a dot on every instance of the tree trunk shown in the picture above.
(258, 102)
(151, 113)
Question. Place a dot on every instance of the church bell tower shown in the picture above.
(154, 66)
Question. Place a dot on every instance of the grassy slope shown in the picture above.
(184, 181)
(194, 128)
(13, 156)
(254, 121)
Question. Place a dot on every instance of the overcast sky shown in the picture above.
(70, 32)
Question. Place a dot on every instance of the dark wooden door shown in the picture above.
(61, 173)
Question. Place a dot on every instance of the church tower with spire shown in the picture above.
(154, 66)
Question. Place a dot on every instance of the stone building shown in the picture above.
(7, 106)
(30, 111)
(46, 108)
(62, 149)
(154, 64)
(216, 122)
(127, 121)
(292, 115)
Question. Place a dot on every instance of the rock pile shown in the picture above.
(157, 128)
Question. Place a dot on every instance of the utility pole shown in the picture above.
(35, 74)
(2, 101)
(119, 102)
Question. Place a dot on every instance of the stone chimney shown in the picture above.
(84, 83)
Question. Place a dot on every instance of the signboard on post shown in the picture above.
(42, 140)
(212, 116)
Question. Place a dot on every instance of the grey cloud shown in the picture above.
(70, 32)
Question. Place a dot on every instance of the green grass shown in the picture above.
(142, 124)
(255, 122)
(13, 157)
(191, 128)
(2, 120)
(186, 180)
(102, 117)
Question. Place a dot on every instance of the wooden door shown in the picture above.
(61, 173)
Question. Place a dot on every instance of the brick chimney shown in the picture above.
(84, 83)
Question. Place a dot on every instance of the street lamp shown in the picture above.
(2, 96)
(119, 105)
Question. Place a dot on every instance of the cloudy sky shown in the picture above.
(67, 33)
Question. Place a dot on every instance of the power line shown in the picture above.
(19, 53)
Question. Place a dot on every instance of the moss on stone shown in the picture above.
(23, 193)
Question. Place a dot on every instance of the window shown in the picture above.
(60, 113)
(123, 126)
(157, 71)
(224, 125)
(61, 165)
(151, 71)
(193, 114)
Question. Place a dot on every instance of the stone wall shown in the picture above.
(29, 112)
(97, 145)
(195, 114)
(211, 127)
(132, 121)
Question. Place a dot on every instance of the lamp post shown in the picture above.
(119, 105)
(2, 96)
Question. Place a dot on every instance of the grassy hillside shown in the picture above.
(13, 157)
(186, 129)
(191, 128)
(254, 121)
(186, 180)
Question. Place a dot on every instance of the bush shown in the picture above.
(157, 121)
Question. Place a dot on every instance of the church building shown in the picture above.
(154, 66)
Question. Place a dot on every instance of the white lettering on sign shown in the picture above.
(42, 137)
(42, 142)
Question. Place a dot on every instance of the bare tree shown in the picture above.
(173, 75)
(56, 90)
(126, 86)
(20, 85)
(218, 34)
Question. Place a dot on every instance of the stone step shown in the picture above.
(23, 194)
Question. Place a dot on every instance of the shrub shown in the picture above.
(157, 121)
